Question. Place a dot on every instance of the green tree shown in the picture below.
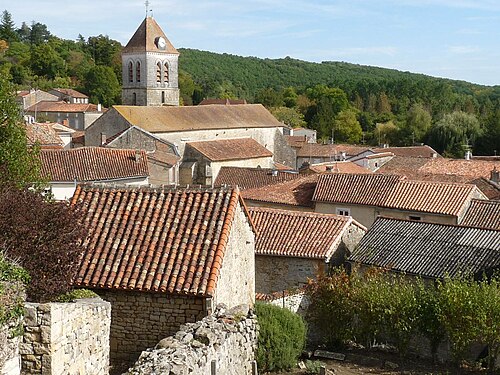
(7, 28)
(347, 127)
(102, 85)
(289, 97)
(18, 163)
(418, 122)
(186, 87)
(45, 61)
(289, 116)
(386, 132)
(39, 33)
(269, 98)
(103, 49)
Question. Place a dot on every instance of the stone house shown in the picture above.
(163, 157)
(164, 257)
(64, 169)
(316, 153)
(367, 196)
(77, 116)
(428, 250)
(251, 178)
(292, 247)
(70, 96)
(26, 99)
(203, 160)
(309, 134)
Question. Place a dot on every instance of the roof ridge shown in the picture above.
(433, 223)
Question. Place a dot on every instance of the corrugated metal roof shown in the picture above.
(427, 249)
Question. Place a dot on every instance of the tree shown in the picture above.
(18, 163)
(45, 237)
(289, 116)
(102, 85)
(269, 98)
(103, 50)
(347, 127)
(386, 132)
(7, 28)
(418, 122)
(45, 61)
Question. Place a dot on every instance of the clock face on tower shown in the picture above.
(161, 43)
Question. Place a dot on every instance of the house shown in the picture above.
(77, 116)
(428, 250)
(203, 160)
(315, 153)
(295, 194)
(474, 171)
(64, 169)
(70, 96)
(367, 196)
(292, 247)
(334, 167)
(29, 98)
(164, 257)
(309, 134)
(372, 161)
(44, 135)
(421, 151)
(251, 178)
(163, 157)
(482, 214)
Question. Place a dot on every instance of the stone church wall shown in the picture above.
(66, 338)
(221, 344)
(140, 319)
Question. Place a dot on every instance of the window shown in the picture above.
(158, 73)
(165, 73)
(134, 99)
(163, 96)
(343, 211)
(130, 72)
(414, 218)
(138, 72)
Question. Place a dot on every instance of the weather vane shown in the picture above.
(147, 7)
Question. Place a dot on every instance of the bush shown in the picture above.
(44, 237)
(314, 367)
(282, 336)
(12, 282)
(76, 294)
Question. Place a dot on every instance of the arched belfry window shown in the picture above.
(138, 71)
(165, 73)
(158, 73)
(130, 72)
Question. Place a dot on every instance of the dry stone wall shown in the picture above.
(66, 338)
(221, 344)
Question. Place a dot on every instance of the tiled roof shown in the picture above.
(231, 149)
(60, 106)
(92, 164)
(71, 92)
(338, 167)
(145, 37)
(392, 191)
(427, 249)
(483, 214)
(223, 101)
(410, 151)
(173, 119)
(250, 178)
(330, 150)
(296, 141)
(44, 134)
(297, 234)
(296, 192)
(489, 188)
(155, 240)
(366, 189)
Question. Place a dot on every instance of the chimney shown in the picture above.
(137, 156)
(99, 108)
(468, 155)
(495, 175)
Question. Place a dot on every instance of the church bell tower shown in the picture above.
(150, 68)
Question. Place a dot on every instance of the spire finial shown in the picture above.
(147, 7)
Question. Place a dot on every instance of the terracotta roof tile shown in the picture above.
(60, 106)
(223, 101)
(173, 119)
(296, 141)
(92, 164)
(330, 150)
(296, 192)
(250, 178)
(231, 149)
(71, 92)
(297, 234)
(338, 167)
(144, 39)
(155, 239)
(483, 214)
(423, 151)
(44, 134)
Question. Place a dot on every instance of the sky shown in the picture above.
(457, 39)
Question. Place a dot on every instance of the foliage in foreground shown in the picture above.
(394, 308)
(12, 282)
(282, 336)
(76, 294)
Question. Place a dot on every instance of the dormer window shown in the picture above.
(138, 71)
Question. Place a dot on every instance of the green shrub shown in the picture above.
(13, 280)
(313, 367)
(76, 294)
(282, 337)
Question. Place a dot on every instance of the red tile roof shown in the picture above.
(71, 92)
(60, 106)
(251, 178)
(223, 101)
(92, 164)
(296, 141)
(338, 167)
(483, 214)
(155, 240)
(423, 151)
(231, 149)
(366, 189)
(296, 192)
(392, 191)
(326, 151)
(44, 134)
(297, 234)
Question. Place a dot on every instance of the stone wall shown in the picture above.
(140, 319)
(10, 360)
(297, 302)
(221, 344)
(66, 338)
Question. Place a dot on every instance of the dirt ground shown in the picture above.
(358, 362)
